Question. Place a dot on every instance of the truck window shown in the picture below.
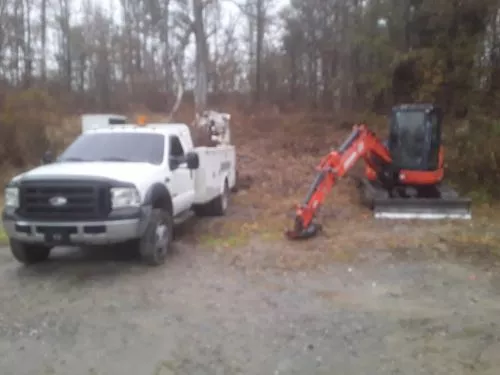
(176, 148)
(116, 121)
(116, 146)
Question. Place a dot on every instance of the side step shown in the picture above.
(422, 208)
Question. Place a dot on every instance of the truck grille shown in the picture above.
(78, 200)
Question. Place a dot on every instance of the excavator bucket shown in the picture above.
(300, 233)
(422, 208)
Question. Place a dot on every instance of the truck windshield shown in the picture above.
(121, 147)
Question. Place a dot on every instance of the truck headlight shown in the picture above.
(11, 197)
(125, 197)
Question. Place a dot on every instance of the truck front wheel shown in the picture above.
(29, 253)
(156, 242)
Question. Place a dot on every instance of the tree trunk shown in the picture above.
(43, 25)
(201, 89)
(258, 52)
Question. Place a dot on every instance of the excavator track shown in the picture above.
(446, 204)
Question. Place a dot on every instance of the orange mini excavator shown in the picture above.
(403, 176)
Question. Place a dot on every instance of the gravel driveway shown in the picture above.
(84, 313)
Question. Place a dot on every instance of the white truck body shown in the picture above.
(216, 163)
(42, 205)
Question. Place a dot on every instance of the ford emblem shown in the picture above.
(58, 201)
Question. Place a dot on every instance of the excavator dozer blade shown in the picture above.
(422, 208)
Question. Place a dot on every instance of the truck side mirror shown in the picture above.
(193, 161)
(47, 157)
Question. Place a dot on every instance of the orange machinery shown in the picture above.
(403, 176)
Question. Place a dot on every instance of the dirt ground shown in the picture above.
(260, 307)
(365, 297)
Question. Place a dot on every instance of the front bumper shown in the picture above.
(118, 228)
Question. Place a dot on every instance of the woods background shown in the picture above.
(348, 60)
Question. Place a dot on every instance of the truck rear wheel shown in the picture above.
(156, 242)
(221, 203)
(235, 188)
(29, 253)
(218, 206)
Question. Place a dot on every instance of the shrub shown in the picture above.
(473, 155)
(24, 118)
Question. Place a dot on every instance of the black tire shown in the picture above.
(29, 253)
(156, 242)
(235, 188)
(200, 210)
(217, 207)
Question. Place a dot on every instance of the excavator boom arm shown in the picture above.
(360, 144)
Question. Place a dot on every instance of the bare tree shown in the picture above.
(201, 65)
(176, 64)
(329, 53)
(65, 56)
(43, 39)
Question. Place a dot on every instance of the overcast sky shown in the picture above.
(114, 6)
(231, 13)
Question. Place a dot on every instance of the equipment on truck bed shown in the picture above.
(403, 176)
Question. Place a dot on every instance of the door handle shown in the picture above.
(167, 179)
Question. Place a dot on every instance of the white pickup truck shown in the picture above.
(117, 184)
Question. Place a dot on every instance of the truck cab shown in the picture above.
(168, 149)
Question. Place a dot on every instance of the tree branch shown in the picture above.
(175, 61)
(243, 9)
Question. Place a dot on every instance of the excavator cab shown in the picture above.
(415, 137)
(418, 192)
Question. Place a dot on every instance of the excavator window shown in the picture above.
(408, 140)
(435, 141)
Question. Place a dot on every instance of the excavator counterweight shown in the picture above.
(403, 176)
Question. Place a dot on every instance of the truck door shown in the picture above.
(182, 180)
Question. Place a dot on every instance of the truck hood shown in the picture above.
(127, 172)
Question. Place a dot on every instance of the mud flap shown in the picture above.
(422, 208)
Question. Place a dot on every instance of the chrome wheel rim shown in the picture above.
(161, 239)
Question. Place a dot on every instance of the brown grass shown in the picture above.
(278, 153)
